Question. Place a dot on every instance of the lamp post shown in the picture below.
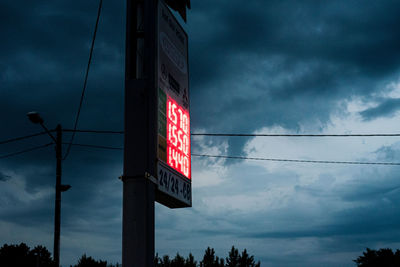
(35, 118)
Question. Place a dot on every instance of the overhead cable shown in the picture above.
(94, 131)
(25, 151)
(86, 78)
(251, 135)
(267, 159)
(22, 137)
(292, 135)
(97, 146)
(298, 160)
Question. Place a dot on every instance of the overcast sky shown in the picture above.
(256, 66)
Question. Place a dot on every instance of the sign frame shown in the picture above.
(174, 189)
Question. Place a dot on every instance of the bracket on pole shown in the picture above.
(146, 175)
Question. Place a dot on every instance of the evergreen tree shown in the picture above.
(219, 262)
(15, 255)
(178, 261)
(42, 257)
(381, 258)
(233, 258)
(166, 262)
(190, 262)
(209, 259)
(85, 261)
(157, 261)
(245, 260)
(21, 255)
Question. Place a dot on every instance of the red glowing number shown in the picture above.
(178, 138)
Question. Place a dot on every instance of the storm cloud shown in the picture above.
(255, 66)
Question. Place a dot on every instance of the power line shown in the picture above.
(251, 135)
(86, 78)
(225, 156)
(22, 137)
(25, 151)
(94, 131)
(97, 146)
(293, 135)
(300, 160)
(267, 159)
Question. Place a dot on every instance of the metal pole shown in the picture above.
(57, 213)
(138, 223)
(140, 135)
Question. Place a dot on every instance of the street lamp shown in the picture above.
(35, 118)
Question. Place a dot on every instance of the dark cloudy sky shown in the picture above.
(256, 67)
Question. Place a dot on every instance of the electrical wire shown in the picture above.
(300, 160)
(267, 159)
(97, 146)
(223, 156)
(25, 151)
(22, 137)
(293, 135)
(94, 131)
(86, 78)
(252, 135)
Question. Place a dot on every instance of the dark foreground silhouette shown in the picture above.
(383, 257)
(39, 256)
(234, 259)
(21, 255)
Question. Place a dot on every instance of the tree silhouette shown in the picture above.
(21, 255)
(85, 261)
(157, 260)
(164, 262)
(210, 260)
(247, 261)
(190, 262)
(243, 260)
(178, 261)
(384, 257)
(14, 255)
(42, 257)
(233, 258)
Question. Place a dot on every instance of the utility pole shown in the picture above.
(34, 117)
(57, 212)
(140, 135)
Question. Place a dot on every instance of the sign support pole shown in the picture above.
(140, 133)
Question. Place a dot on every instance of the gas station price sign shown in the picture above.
(173, 151)
(178, 138)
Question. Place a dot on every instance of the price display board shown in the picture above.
(173, 151)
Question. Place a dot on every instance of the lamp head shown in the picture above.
(35, 117)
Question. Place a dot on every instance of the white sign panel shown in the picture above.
(173, 151)
(172, 184)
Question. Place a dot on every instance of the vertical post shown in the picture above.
(140, 135)
(57, 213)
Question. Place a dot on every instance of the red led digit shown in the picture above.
(178, 138)
(180, 142)
(173, 137)
(185, 145)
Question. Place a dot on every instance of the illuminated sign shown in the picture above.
(173, 144)
(178, 138)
